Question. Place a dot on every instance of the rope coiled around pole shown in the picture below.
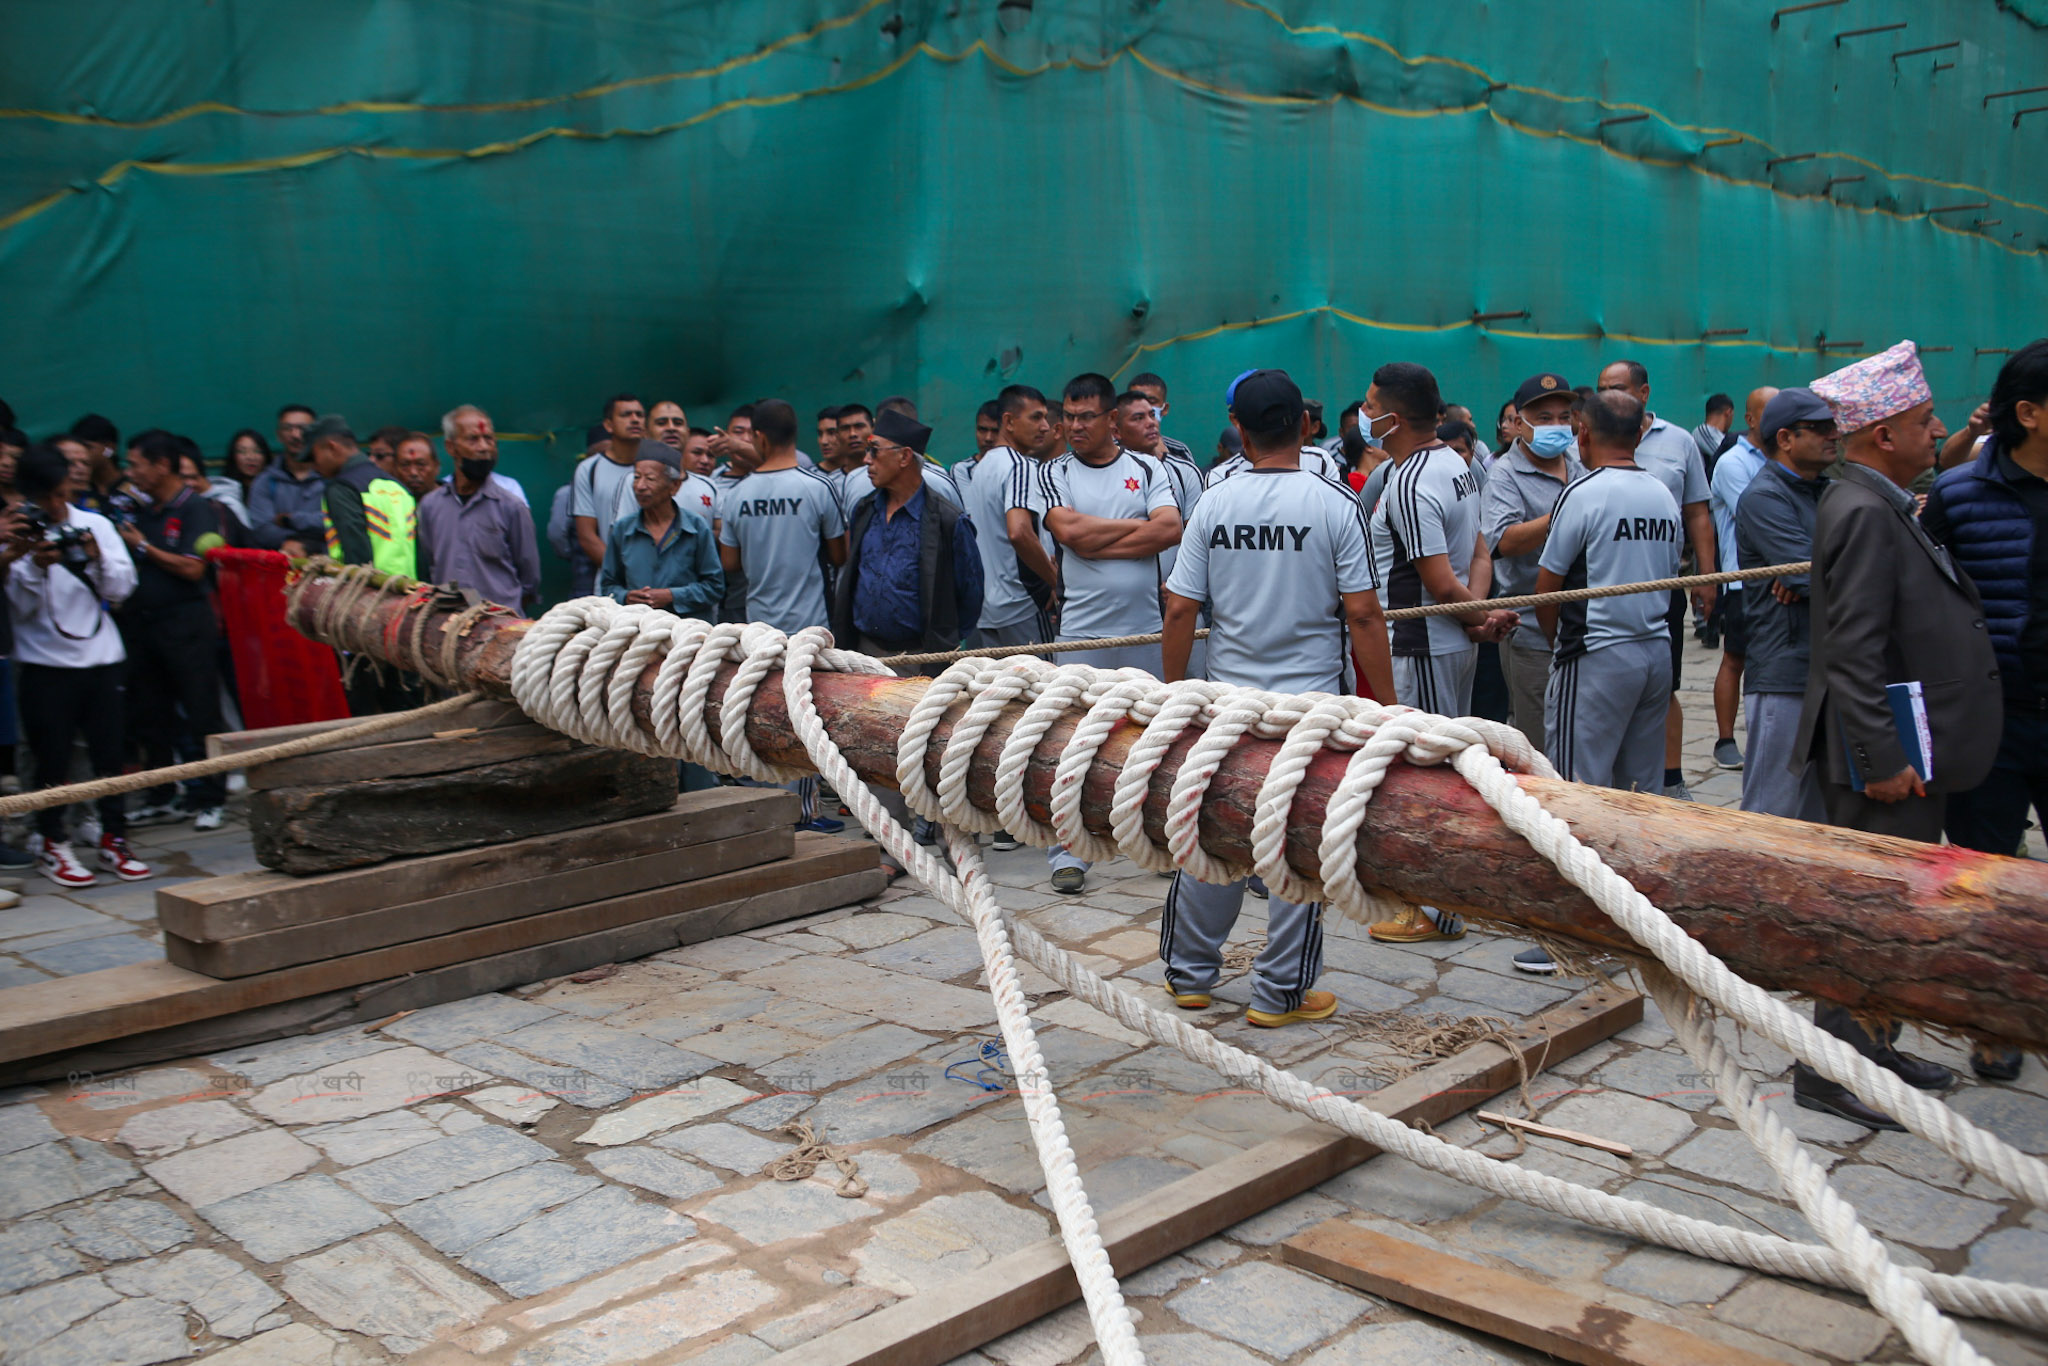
(549, 680)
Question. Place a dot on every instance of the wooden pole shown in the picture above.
(1942, 935)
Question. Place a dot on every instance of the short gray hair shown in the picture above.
(454, 415)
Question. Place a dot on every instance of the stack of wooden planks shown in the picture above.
(479, 775)
(257, 955)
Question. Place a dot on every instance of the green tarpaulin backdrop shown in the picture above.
(387, 207)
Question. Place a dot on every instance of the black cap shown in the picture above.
(1786, 407)
(903, 430)
(1543, 386)
(652, 448)
(1267, 401)
(331, 426)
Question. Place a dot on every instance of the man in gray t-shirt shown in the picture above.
(1280, 554)
(1605, 707)
(1514, 517)
(776, 524)
(1425, 543)
(1674, 457)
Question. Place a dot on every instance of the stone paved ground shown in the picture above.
(570, 1172)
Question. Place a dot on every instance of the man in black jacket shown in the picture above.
(1888, 607)
(911, 583)
(912, 578)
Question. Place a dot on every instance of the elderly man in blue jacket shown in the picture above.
(662, 554)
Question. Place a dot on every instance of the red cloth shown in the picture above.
(282, 677)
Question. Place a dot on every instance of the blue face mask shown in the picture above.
(1365, 430)
(1550, 442)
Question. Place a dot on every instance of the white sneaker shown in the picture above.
(1679, 792)
(57, 863)
(89, 830)
(209, 818)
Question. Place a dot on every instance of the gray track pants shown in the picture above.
(1437, 683)
(1604, 712)
(1199, 918)
(1528, 675)
(1769, 783)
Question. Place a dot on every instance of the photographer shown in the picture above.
(169, 628)
(64, 565)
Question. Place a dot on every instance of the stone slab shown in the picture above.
(1274, 1309)
(204, 1176)
(947, 1237)
(852, 1055)
(383, 1287)
(364, 1085)
(24, 1126)
(725, 1145)
(57, 1173)
(1912, 1211)
(131, 1333)
(572, 1085)
(667, 1176)
(646, 1329)
(123, 1228)
(627, 1282)
(33, 1252)
(443, 1165)
(590, 1234)
(1817, 1323)
(776, 1211)
(630, 1059)
(355, 1141)
(226, 1295)
(460, 1022)
(522, 1105)
(293, 1217)
(458, 1220)
(158, 1133)
(656, 1114)
(874, 992)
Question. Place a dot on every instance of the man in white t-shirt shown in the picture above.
(601, 490)
(1111, 512)
(1280, 556)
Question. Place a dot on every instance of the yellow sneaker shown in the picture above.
(1415, 927)
(1188, 1000)
(1316, 1005)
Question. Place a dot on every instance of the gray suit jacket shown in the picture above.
(1889, 607)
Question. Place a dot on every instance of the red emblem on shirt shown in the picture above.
(1131, 484)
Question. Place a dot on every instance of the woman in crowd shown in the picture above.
(247, 454)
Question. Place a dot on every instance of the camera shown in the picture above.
(69, 537)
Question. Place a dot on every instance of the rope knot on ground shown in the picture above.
(577, 670)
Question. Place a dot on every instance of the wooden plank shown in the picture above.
(936, 1325)
(350, 825)
(486, 714)
(1564, 1325)
(416, 991)
(604, 859)
(250, 954)
(69, 1012)
(407, 758)
(1605, 1145)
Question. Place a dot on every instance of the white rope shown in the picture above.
(595, 636)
